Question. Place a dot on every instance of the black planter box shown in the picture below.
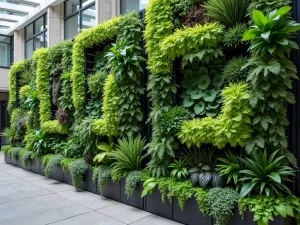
(111, 190)
(68, 178)
(154, 204)
(19, 162)
(57, 174)
(135, 200)
(191, 214)
(88, 183)
(7, 158)
(248, 219)
(35, 166)
(13, 161)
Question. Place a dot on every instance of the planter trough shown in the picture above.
(154, 204)
(67, 178)
(191, 214)
(135, 200)
(88, 183)
(7, 158)
(112, 191)
(57, 174)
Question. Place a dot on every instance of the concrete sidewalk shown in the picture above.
(27, 198)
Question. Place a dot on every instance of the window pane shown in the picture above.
(89, 17)
(39, 25)
(72, 27)
(5, 55)
(4, 39)
(29, 49)
(29, 31)
(46, 39)
(71, 7)
(129, 5)
(39, 41)
(86, 2)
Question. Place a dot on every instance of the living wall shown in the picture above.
(218, 112)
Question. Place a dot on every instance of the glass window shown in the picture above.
(39, 41)
(72, 27)
(88, 17)
(5, 39)
(29, 31)
(39, 25)
(129, 5)
(79, 14)
(86, 2)
(71, 7)
(5, 55)
(29, 48)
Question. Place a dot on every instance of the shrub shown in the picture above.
(228, 12)
(132, 178)
(51, 163)
(14, 153)
(179, 171)
(26, 157)
(221, 203)
(234, 35)
(234, 71)
(128, 155)
(10, 134)
(77, 170)
(96, 84)
(266, 6)
(272, 33)
(104, 176)
(265, 174)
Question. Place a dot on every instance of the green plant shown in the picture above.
(101, 61)
(62, 115)
(202, 87)
(26, 157)
(6, 149)
(14, 153)
(231, 126)
(171, 120)
(234, 35)
(265, 208)
(233, 72)
(31, 100)
(265, 174)
(93, 108)
(51, 163)
(148, 186)
(72, 148)
(207, 172)
(10, 134)
(96, 84)
(104, 176)
(183, 7)
(128, 155)
(179, 171)
(66, 164)
(196, 15)
(132, 178)
(65, 96)
(39, 142)
(123, 60)
(221, 203)
(266, 6)
(272, 33)
(230, 168)
(89, 140)
(191, 40)
(77, 170)
(202, 197)
(106, 149)
(109, 124)
(192, 157)
(228, 12)
(25, 78)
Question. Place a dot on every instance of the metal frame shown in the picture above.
(10, 50)
(78, 12)
(35, 35)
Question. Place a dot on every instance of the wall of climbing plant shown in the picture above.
(220, 82)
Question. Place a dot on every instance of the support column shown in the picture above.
(115, 8)
(19, 45)
(55, 19)
(103, 10)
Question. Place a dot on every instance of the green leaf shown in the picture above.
(210, 95)
(281, 209)
(199, 108)
(196, 94)
(266, 36)
(275, 177)
(188, 102)
(259, 19)
(283, 10)
(204, 82)
(218, 81)
(249, 35)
